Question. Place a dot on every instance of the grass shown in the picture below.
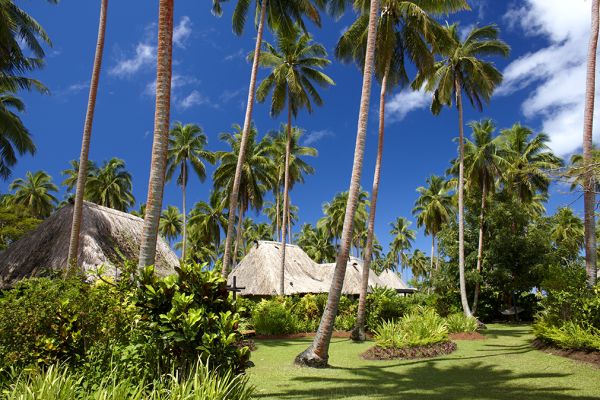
(504, 366)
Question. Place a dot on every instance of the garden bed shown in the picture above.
(408, 353)
(467, 336)
(591, 357)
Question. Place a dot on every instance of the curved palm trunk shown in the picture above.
(358, 333)
(233, 199)
(317, 354)
(278, 211)
(183, 187)
(589, 197)
(238, 237)
(286, 188)
(85, 141)
(480, 247)
(160, 143)
(461, 205)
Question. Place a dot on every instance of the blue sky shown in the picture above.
(544, 86)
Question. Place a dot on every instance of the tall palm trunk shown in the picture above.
(589, 197)
(183, 187)
(238, 237)
(286, 188)
(432, 252)
(480, 247)
(461, 205)
(233, 199)
(289, 217)
(317, 355)
(85, 141)
(437, 255)
(160, 143)
(358, 333)
(277, 210)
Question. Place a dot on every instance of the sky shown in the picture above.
(543, 88)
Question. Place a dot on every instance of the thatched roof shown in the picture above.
(259, 272)
(108, 237)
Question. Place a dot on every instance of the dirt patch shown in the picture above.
(408, 353)
(591, 357)
(336, 334)
(467, 336)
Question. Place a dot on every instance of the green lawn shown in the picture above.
(502, 367)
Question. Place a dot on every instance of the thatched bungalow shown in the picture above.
(108, 238)
(259, 273)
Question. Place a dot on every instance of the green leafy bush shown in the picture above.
(569, 336)
(420, 327)
(273, 317)
(459, 322)
(385, 304)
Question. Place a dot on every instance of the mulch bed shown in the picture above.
(409, 353)
(591, 357)
(467, 336)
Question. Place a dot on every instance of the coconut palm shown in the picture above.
(171, 223)
(589, 194)
(72, 173)
(434, 208)
(463, 68)
(257, 175)
(418, 264)
(316, 243)
(280, 15)
(333, 220)
(296, 65)
(86, 138)
(34, 193)
(187, 147)
(110, 186)
(208, 219)
(567, 230)
(140, 212)
(575, 172)
(160, 143)
(402, 240)
(317, 354)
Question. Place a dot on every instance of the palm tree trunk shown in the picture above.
(480, 247)
(589, 197)
(160, 143)
(183, 187)
(286, 188)
(233, 199)
(461, 205)
(432, 252)
(437, 254)
(317, 355)
(238, 237)
(278, 211)
(85, 141)
(358, 333)
(289, 217)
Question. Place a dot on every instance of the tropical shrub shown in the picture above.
(420, 327)
(385, 304)
(459, 322)
(570, 336)
(273, 317)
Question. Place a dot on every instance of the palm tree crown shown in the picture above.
(111, 186)
(34, 193)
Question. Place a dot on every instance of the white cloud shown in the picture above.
(555, 74)
(316, 136)
(145, 55)
(195, 98)
(229, 95)
(240, 54)
(72, 89)
(182, 31)
(404, 102)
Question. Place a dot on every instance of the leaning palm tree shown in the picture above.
(171, 223)
(317, 354)
(160, 143)
(296, 67)
(85, 141)
(402, 239)
(463, 68)
(434, 208)
(110, 186)
(589, 195)
(280, 15)
(34, 193)
(187, 147)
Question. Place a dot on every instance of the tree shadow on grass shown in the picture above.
(428, 380)
(300, 342)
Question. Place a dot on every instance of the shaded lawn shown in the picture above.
(504, 366)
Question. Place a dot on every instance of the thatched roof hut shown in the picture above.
(259, 272)
(108, 238)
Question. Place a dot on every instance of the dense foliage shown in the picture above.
(420, 327)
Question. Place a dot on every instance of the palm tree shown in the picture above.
(295, 66)
(316, 243)
(575, 172)
(85, 140)
(418, 264)
(14, 136)
(160, 143)
(402, 239)
(140, 212)
(567, 230)
(434, 208)
(317, 354)
(34, 193)
(171, 223)
(298, 167)
(208, 219)
(484, 163)
(280, 15)
(72, 173)
(187, 146)
(589, 195)
(111, 186)
(333, 220)
(257, 174)
(464, 69)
